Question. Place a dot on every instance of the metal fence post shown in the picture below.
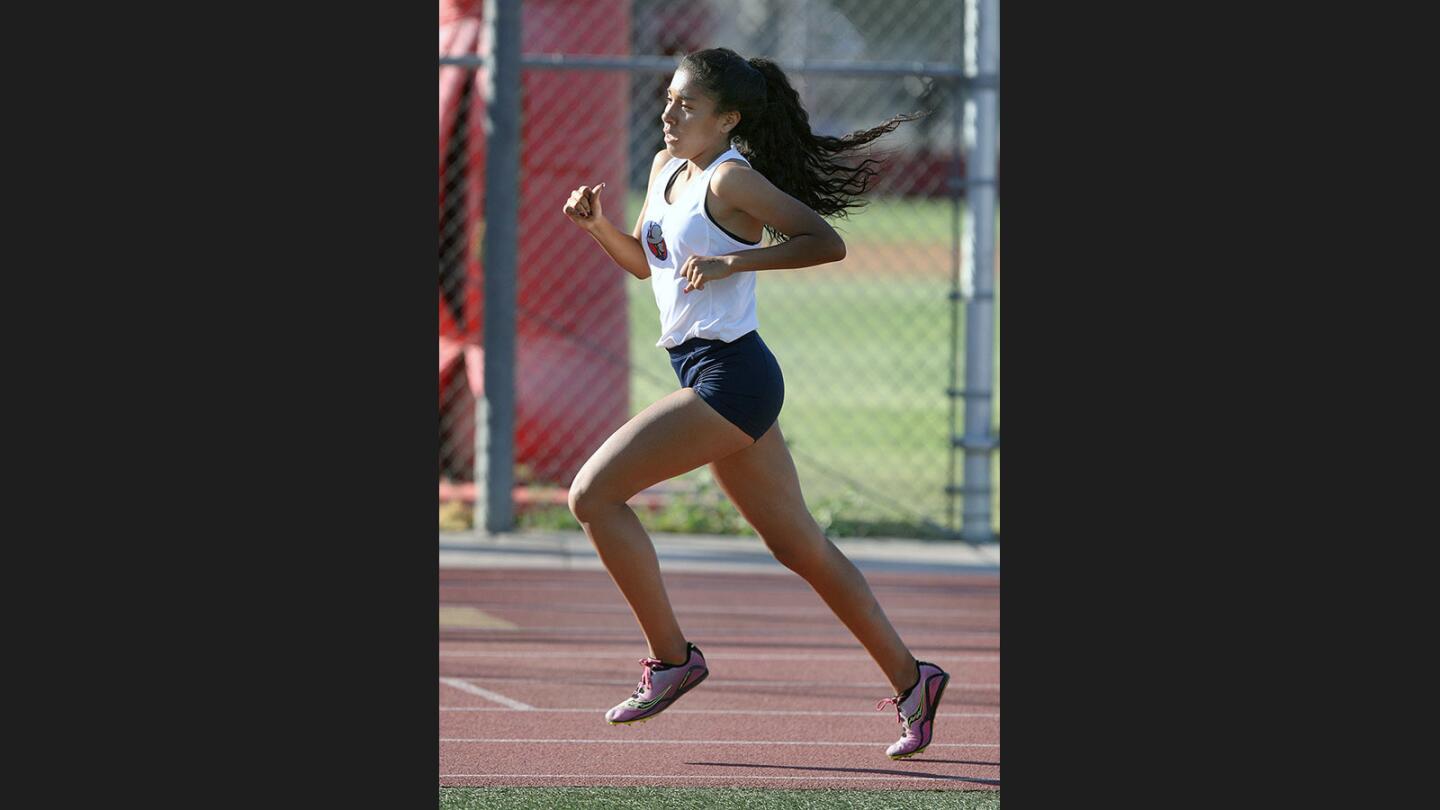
(980, 311)
(495, 411)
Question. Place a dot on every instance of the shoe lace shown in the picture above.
(649, 664)
(895, 701)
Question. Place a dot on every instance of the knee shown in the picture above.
(801, 548)
(585, 501)
(579, 500)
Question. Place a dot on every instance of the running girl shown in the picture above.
(739, 160)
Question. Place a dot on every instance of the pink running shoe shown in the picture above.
(660, 685)
(916, 710)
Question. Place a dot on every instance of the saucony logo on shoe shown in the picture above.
(919, 711)
(645, 704)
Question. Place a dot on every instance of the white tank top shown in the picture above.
(672, 232)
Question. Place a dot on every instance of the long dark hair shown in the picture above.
(774, 133)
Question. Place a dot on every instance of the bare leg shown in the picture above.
(762, 482)
(674, 435)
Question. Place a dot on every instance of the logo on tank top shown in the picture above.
(655, 240)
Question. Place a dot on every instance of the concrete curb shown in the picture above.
(571, 550)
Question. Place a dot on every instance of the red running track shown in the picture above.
(789, 702)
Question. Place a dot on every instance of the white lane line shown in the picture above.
(466, 686)
(718, 656)
(698, 742)
(751, 712)
(888, 777)
(954, 684)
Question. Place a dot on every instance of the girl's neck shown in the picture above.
(702, 161)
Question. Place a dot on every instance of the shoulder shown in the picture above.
(661, 158)
(734, 180)
(734, 171)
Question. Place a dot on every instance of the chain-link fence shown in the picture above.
(872, 347)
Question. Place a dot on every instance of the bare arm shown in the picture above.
(584, 210)
(624, 249)
(811, 239)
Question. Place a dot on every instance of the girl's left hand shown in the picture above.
(701, 270)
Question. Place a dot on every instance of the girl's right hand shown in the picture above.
(583, 207)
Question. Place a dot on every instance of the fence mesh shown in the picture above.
(871, 347)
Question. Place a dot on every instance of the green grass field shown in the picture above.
(865, 353)
(659, 798)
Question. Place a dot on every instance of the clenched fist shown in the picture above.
(700, 270)
(583, 207)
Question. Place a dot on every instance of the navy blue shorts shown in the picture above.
(740, 379)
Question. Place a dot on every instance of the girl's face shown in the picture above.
(691, 124)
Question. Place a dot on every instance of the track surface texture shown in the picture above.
(531, 659)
